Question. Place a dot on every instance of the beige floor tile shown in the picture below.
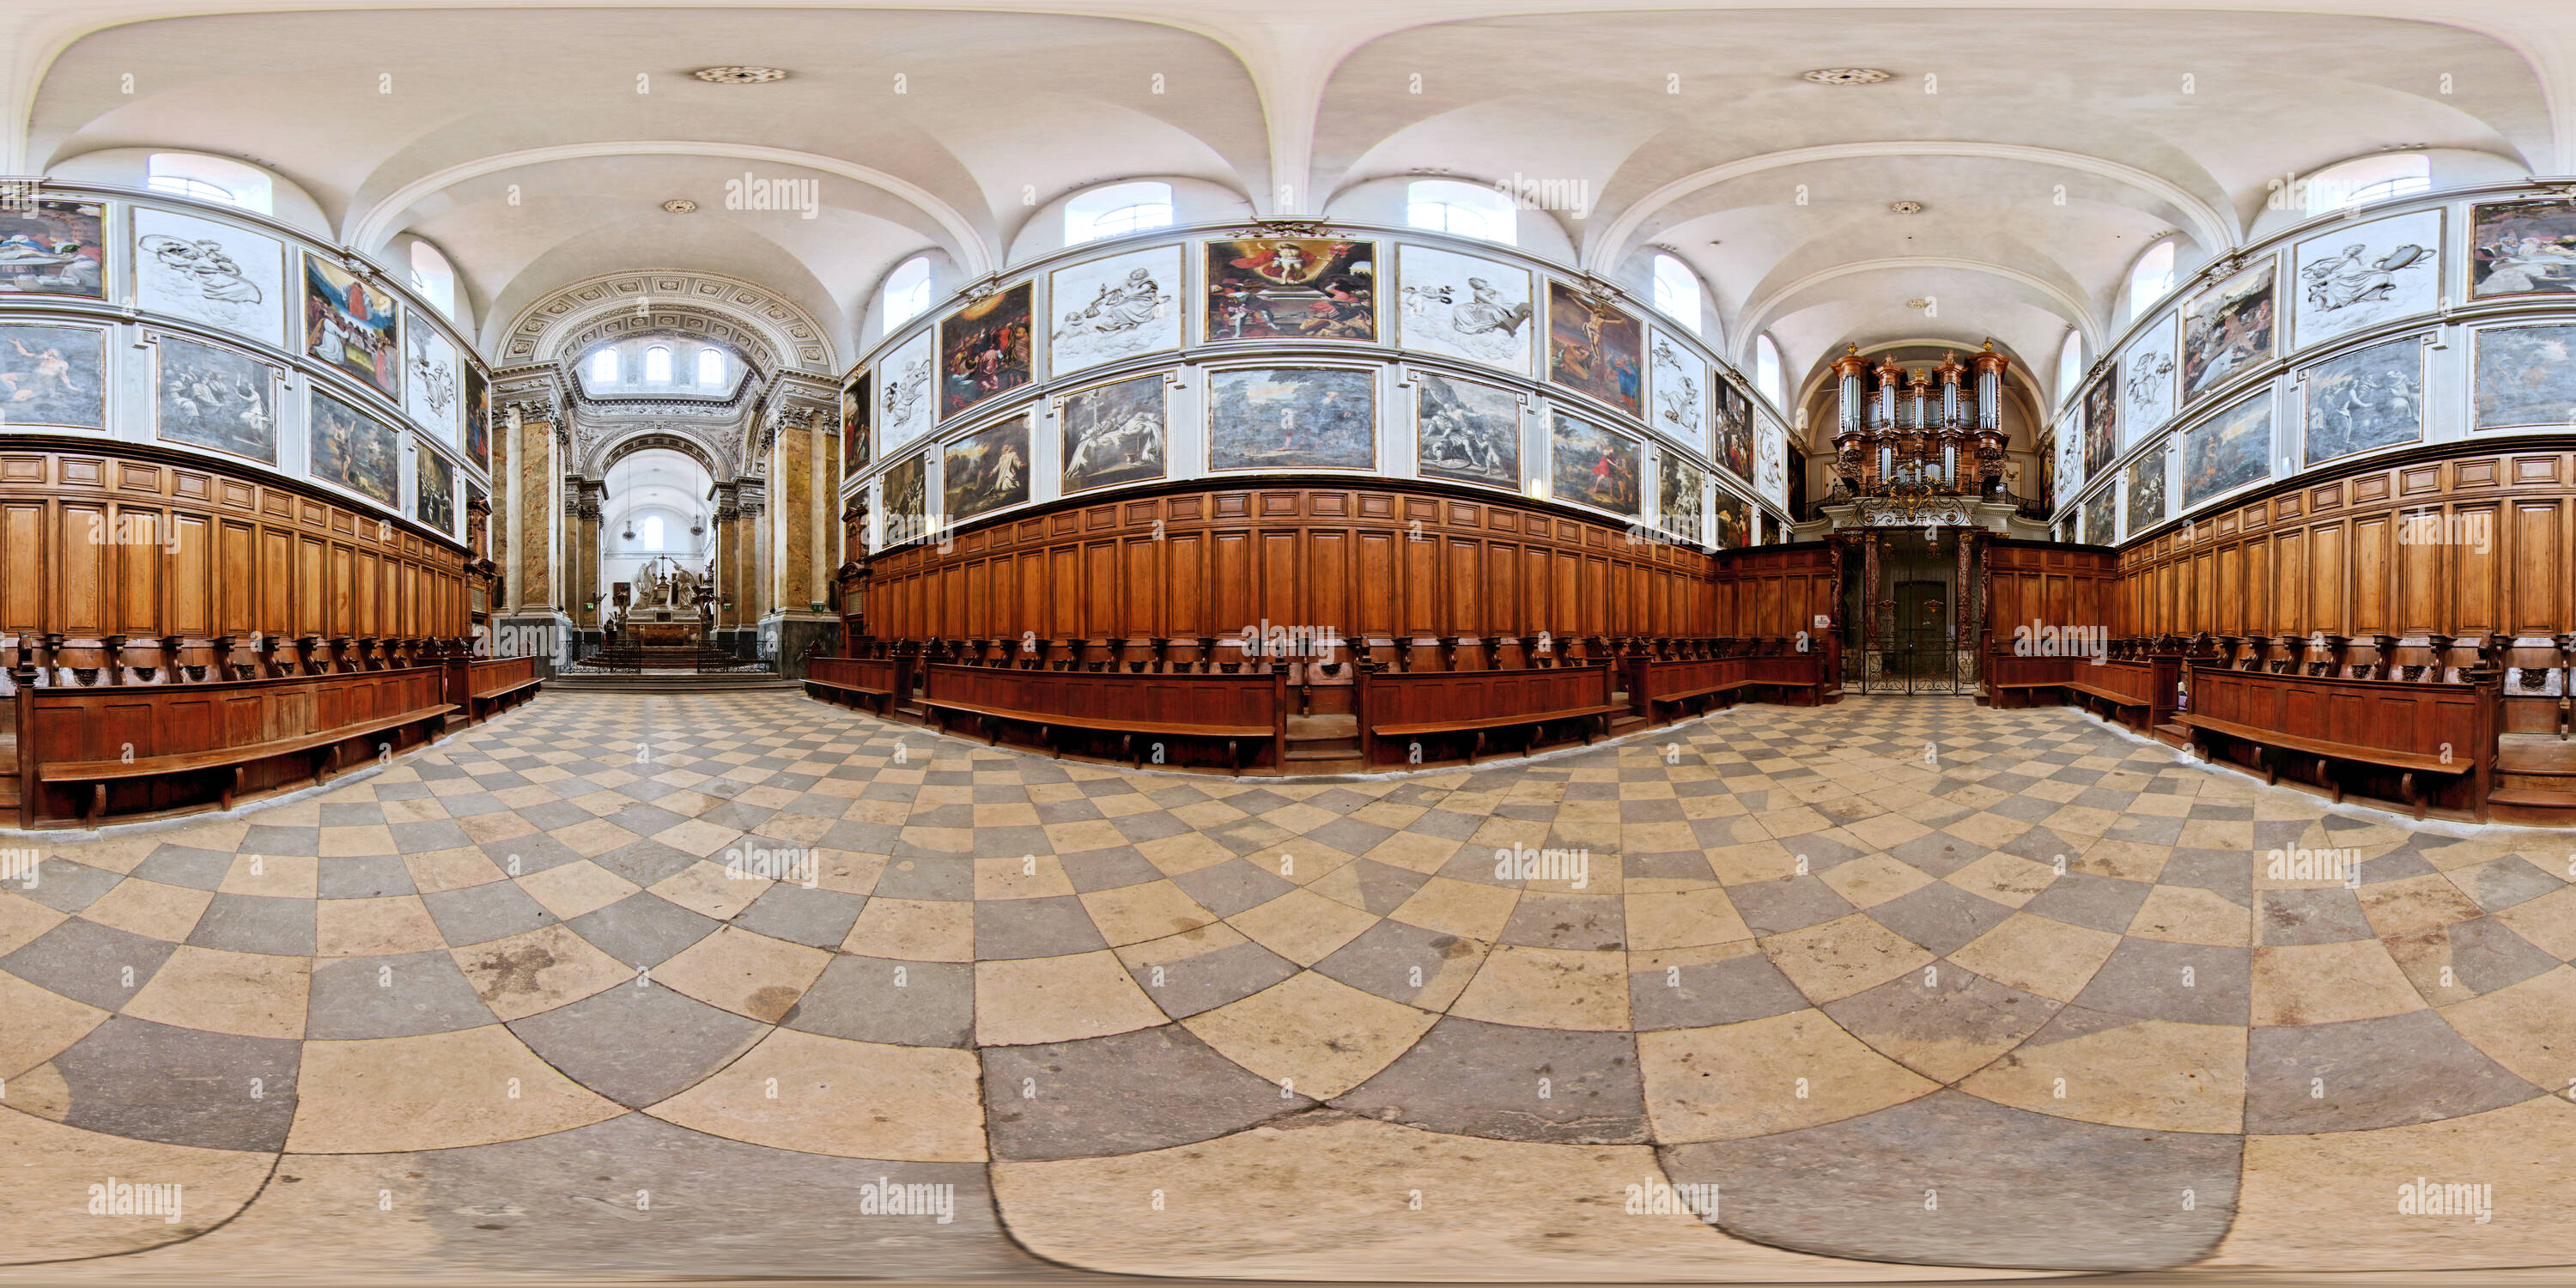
(1516, 1211)
(2416, 904)
(1754, 861)
(822, 1095)
(437, 870)
(2330, 1202)
(23, 919)
(593, 838)
(1150, 911)
(1414, 851)
(570, 889)
(2529, 1028)
(1838, 958)
(41, 1025)
(538, 971)
(2038, 955)
(374, 927)
(1683, 918)
(1302, 926)
(745, 973)
(150, 909)
(252, 994)
(1031, 876)
(2007, 879)
(697, 836)
(1553, 988)
(1314, 1036)
(705, 888)
(1468, 909)
(2191, 915)
(1733, 1081)
(2149, 1074)
(2324, 983)
(1184, 852)
(1058, 999)
(439, 1091)
(45, 1187)
(368, 838)
(914, 930)
(281, 876)
(2548, 921)
(1873, 879)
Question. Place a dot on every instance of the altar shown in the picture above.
(663, 634)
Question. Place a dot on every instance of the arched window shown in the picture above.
(1116, 209)
(2150, 278)
(651, 530)
(2372, 178)
(205, 178)
(433, 277)
(1467, 209)
(1766, 370)
(657, 365)
(711, 366)
(907, 291)
(603, 367)
(2070, 364)
(1677, 293)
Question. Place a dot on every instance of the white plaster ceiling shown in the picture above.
(2059, 141)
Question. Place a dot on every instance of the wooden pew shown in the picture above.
(2333, 727)
(163, 747)
(2136, 692)
(1798, 679)
(1407, 705)
(496, 684)
(1246, 712)
(885, 681)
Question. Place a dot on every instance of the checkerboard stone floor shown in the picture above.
(1910, 981)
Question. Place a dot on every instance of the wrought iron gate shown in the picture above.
(1908, 615)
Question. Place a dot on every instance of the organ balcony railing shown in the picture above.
(1922, 434)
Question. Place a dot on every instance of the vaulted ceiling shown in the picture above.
(2045, 144)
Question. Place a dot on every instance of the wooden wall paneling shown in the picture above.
(80, 573)
(2539, 571)
(1466, 583)
(1283, 599)
(2330, 580)
(2393, 581)
(2476, 606)
(1420, 575)
(27, 535)
(142, 567)
(1232, 555)
(192, 577)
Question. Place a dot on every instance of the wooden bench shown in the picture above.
(1415, 704)
(496, 684)
(160, 737)
(881, 680)
(1245, 711)
(2418, 729)
(1655, 682)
